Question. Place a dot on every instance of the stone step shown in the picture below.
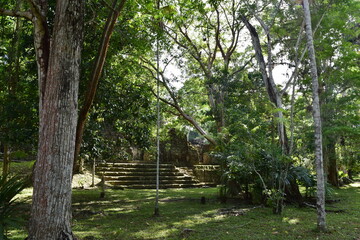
(134, 173)
(135, 182)
(145, 178)
(143, 175)
(135, 165)
(118, 169)
(153, 186)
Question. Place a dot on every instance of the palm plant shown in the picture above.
(9, 188)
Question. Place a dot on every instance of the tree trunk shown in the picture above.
(51, 206)
(273, 93)
(320, 202)
(6, 160)
(292, 189)
(350, 173)
(330, 159)
(95, 77)
(39, 10)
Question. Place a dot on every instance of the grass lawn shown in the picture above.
(22, 168)
(128, 214)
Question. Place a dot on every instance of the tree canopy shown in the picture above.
(236, 72)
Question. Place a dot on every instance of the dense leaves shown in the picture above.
(208, 72)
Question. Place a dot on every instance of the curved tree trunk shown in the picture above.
(95, 77)
(273, 93)
(292, 189)
(51, 206)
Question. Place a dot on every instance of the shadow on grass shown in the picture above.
(128, 215)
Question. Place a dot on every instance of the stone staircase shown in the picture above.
(143, 176)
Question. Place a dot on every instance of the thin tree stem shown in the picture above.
(157, 211)
(320, 202)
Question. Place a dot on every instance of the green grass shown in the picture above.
(23, 168)
(128, 214)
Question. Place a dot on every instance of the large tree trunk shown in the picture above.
(50, 211)
(320, 203)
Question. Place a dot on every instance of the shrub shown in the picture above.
(9, 188)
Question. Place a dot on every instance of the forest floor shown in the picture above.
(128, 215)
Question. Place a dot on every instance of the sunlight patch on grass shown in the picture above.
(355, 184)
(291, 221)
(167, 229)
(200, 219)
(17, 234)
(105, 203)
(25, 194)
(168, 199)
(87, 233)
(123, 210)
(156, 232)
(128, 214)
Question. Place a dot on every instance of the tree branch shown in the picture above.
(242, 67)
(260, 59)
(13, 13)
(298, 60)
(175, 104)
(195, 53)
(217, 33)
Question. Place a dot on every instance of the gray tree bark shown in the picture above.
(320, 203)
(58, 81)
(274, 94)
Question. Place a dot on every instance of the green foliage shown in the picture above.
(9, 188)
(338, 60)
(123, 115)
(124, 110)
(236, 178)
(18, 94)
(252, 160)
(21, 169)
(302, 175)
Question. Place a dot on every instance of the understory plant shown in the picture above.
(272, 169)
(263, 173)
(9, 188)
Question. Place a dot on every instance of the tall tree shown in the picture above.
(266, 67)
(58, 58)
(115, 9)
(337, 60)
(206, 36)
(274, 94)
(320, 203)
(13, 78)
(14, 101)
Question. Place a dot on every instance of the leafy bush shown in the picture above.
(9, 188)
(236, 177)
